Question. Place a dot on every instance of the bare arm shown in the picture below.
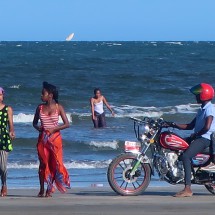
(92, 108)
(10, 120)
(36, 120)
(189, 126)
(107, 105)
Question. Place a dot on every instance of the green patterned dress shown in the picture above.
(5, 141)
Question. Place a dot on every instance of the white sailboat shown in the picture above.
(70, 37)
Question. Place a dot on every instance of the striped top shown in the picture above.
(49, 121)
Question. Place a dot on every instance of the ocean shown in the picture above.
(137, 78)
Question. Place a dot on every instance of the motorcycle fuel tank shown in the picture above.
(172, 141)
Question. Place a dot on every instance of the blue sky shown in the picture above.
(107, 20)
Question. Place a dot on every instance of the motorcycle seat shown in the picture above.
(207, 151)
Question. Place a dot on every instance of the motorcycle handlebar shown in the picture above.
(159, 122)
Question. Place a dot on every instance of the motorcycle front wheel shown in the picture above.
(120, 179)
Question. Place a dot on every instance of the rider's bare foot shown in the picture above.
(186, 192)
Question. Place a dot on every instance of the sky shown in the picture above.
(107, 20)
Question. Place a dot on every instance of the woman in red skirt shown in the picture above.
(49, 147)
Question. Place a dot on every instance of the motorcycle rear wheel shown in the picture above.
(211, 188)
(120, 180)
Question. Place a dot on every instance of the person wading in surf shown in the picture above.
(97, 108)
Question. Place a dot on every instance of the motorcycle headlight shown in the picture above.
(144, 132)
(145, 129)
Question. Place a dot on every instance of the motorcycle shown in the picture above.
(159, 150)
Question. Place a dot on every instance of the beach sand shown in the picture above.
(103, 201)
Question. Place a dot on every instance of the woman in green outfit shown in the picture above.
(6, 120)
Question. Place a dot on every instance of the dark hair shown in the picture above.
(96, 89)
(51, 89)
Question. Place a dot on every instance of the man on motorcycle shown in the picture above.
(203, 125)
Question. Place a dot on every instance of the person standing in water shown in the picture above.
(49, 146)
(6, 120)
(97, 108)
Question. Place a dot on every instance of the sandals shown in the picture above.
(48, 194)
(4, 191)
(41, 194)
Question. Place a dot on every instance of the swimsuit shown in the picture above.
(100, 115)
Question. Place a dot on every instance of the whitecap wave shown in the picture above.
(18, 45)
(17, 86)
(69, 165)
(117, 44)
(155, 112)
(189, 108)
(28, 118)
(107, 144)
(175, 43)
(124, 111)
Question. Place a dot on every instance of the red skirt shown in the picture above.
(50, 155)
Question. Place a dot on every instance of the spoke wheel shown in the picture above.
(120, 179)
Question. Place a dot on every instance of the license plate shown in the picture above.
(132, 146)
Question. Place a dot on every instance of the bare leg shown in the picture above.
(42, 180)
(3, 171)
(96, 123)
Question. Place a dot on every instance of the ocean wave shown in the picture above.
(105, 144)
(17, 86)
(124, 111)
(154, 112)
(117, 44)
(69, 165)
(18, 45)
(28, 118)
(175, 43)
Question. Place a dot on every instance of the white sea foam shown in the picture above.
(117, 44)
(189, 108)
(138, 111)
(69, 165)
(107, 144)
(18, 45)
(28, 118)
(124, 111)
(17, 86)
(175, 43)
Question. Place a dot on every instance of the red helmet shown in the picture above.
(206, 91)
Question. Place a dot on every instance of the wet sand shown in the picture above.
(103, 201)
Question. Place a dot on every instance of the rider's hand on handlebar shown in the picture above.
(169, 124)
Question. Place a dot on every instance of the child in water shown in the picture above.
(49, 146)
(6, 120)
(97, 108)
